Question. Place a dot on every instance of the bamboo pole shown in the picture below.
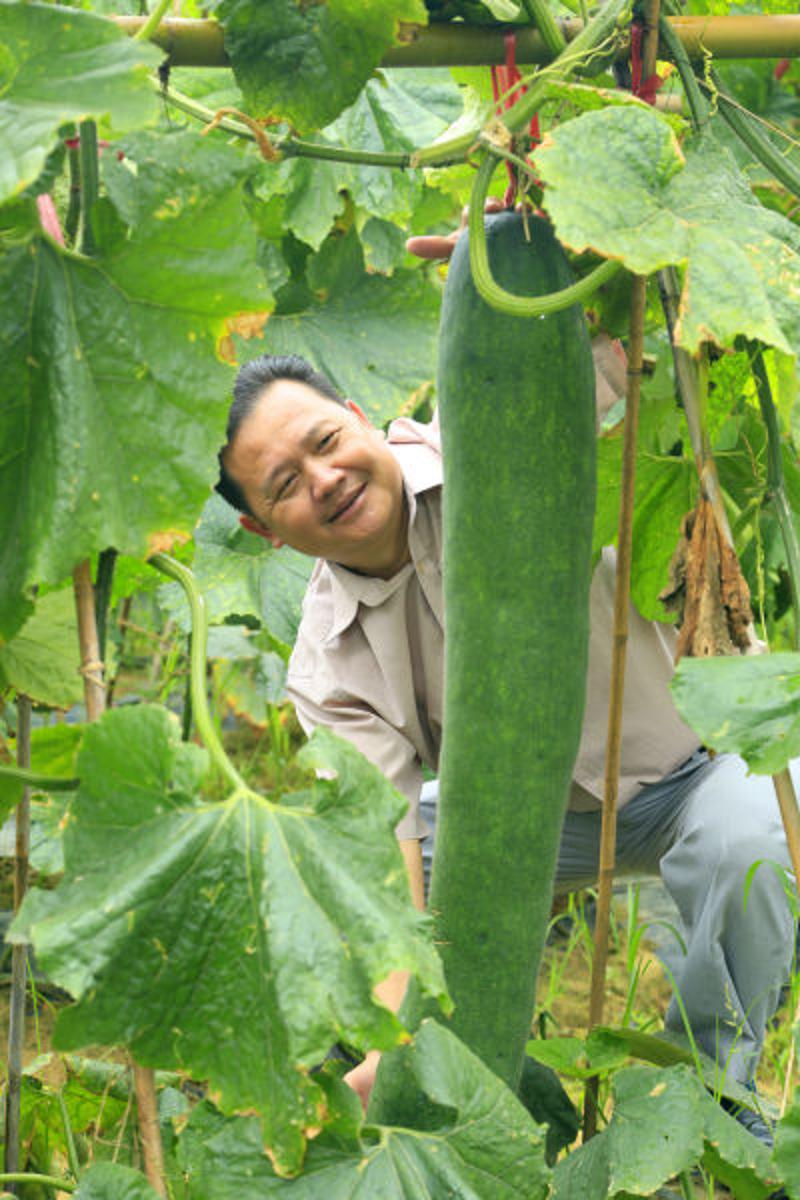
(608, 831)
(92, 669)
(622, 587)
(19, 951)
(199, 43)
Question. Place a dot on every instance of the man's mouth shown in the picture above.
(344, 507)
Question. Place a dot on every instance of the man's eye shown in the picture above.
(328, 439)
(285, 488)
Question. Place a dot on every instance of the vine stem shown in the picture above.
(698, 105)
(500, 298)
(289, 147)
(540, 14)
(599, 29)
(33, 779)
(60, 1185)
(153, 21)
(776, 482)
(619, 649)
(202, 716)
(19, 951)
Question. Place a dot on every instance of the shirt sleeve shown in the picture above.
(384, 746)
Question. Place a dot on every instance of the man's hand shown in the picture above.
(441, 247)
(392, 989)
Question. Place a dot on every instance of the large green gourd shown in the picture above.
(516, 404)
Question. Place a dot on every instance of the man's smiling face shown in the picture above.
(318, 477)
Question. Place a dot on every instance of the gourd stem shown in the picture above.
(19, 951)
(198, 664)
(32, 779)
(498, 297)
(776, 483)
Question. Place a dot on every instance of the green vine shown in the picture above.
(490, 290)
(288, 147)
(153, 21)
(50, 1181)
(540, 14)
(33, 779)
(776, 482)
(698, 106)
(202, 716)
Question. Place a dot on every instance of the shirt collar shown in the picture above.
(416, 448)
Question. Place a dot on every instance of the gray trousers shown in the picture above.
(701, 829)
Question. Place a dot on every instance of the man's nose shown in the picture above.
(324, 478)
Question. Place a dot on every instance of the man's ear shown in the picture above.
(359, 412)
(252, 525)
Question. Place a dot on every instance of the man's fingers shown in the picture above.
(432, 246)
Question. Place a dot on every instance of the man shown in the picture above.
(306, 469)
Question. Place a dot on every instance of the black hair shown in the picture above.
(251, 382)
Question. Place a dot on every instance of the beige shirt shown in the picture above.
(369, 657)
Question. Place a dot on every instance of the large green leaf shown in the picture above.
(398, 112)
(745, 705)
(241, 575)
(787, 1148)
(114, 398)
(184, 927)
(377, 342)
(664, 1122)
(649, 207)
(43, 659)
(480, 1144)
(395, 113)
(308, 62)
(57, 65)
(110, 1181)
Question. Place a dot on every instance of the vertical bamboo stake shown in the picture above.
(608, 833)
(19, 951)
(94, 687)
(95, 695)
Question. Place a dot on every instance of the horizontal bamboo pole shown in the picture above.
(198, 43)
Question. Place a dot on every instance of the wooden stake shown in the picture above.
(608, 831)
(95, 696)
(19, 952)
